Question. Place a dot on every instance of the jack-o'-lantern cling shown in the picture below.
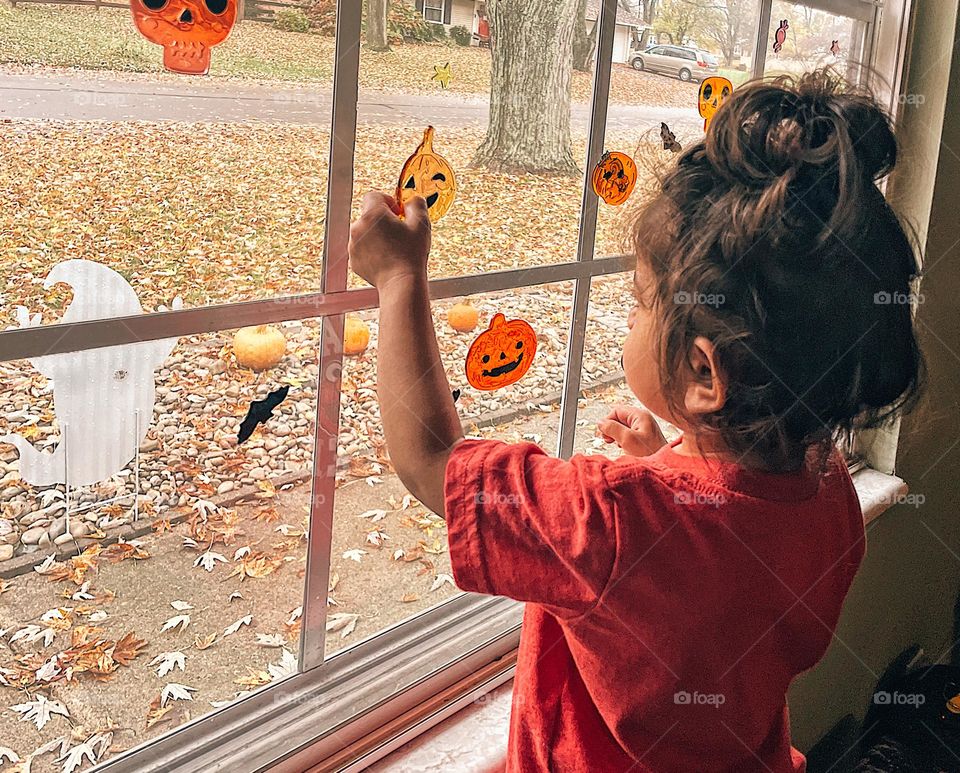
(187, 29)
(429, 175)
(501, 354)
(614, 177)
(713, 93)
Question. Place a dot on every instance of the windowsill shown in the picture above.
(474, 740)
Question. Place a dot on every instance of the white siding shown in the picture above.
(621, 44)
(461, 14)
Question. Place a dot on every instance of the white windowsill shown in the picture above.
(474, 740)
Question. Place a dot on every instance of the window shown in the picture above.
(289, 595)
(433, 10)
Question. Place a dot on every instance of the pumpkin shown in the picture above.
(187, 29)
(259, 347)
(501, 354)
(356, 336)
(614, 177)
(713, 93)
(463, 317)
(429, 175)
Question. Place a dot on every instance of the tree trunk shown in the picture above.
(583, 41)
(376, 37)
(531, 71)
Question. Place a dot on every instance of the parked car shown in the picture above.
(682, 62)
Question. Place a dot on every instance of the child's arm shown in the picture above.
(420, 421)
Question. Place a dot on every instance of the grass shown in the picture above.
(86, 39)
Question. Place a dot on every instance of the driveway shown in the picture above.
(88, 97)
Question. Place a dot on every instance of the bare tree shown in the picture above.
(729, 24)
(376, 35)
(584, 41)
(530, 75)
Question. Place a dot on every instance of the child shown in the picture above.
(676, 591)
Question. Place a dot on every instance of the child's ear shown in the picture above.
(706, 391)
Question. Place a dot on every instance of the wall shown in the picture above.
(906, 590)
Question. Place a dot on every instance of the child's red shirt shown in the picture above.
(672, 600)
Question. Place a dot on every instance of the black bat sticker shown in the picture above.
(260, 411)
(669, 139)
(456, 395)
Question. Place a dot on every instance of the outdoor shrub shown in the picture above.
(291, 20)
(461, 35)
(322, 16)
(405, 22)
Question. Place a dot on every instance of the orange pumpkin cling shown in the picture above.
(429, 175)
(187, 29)
(501, 354)
(614, 177)
(713, 93)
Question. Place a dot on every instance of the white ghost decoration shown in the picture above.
(98, 393)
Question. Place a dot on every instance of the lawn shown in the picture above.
(85, 39)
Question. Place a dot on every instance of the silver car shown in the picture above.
(682, 62)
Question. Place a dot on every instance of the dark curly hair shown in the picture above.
(776, 217)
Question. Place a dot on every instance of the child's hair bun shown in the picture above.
(811, 134)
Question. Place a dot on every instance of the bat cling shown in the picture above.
(260, 411)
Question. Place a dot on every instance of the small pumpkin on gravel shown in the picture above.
(463, 317)
(259, 347)
(356, 336)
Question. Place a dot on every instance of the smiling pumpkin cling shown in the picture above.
(429, 175)
(501, 354)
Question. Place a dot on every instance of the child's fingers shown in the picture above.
(377, 203)
(415, 212)
(612, 431)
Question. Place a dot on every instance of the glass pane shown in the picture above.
(211, 188)
(193, 545)
(811, 38)
(603, 383)
(390, 557)
(653, 106)
(518, 181)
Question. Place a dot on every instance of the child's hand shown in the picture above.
(633, 429)
(382, 245)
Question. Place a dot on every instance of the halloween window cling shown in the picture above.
(187, 29)
(429, 175)
(613, 177)
(713, 93)
(501, 355)
(780, 36)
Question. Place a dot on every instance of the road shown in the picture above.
(87, 97)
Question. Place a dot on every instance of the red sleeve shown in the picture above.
(529, 526)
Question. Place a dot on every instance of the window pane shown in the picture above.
(374, 585)
(812, 39)
(211, 188)
(603, 380)
(518, 194)
(203, 592)
(647, 92)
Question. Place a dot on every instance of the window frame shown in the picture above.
(439, 8)
(465, 634)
